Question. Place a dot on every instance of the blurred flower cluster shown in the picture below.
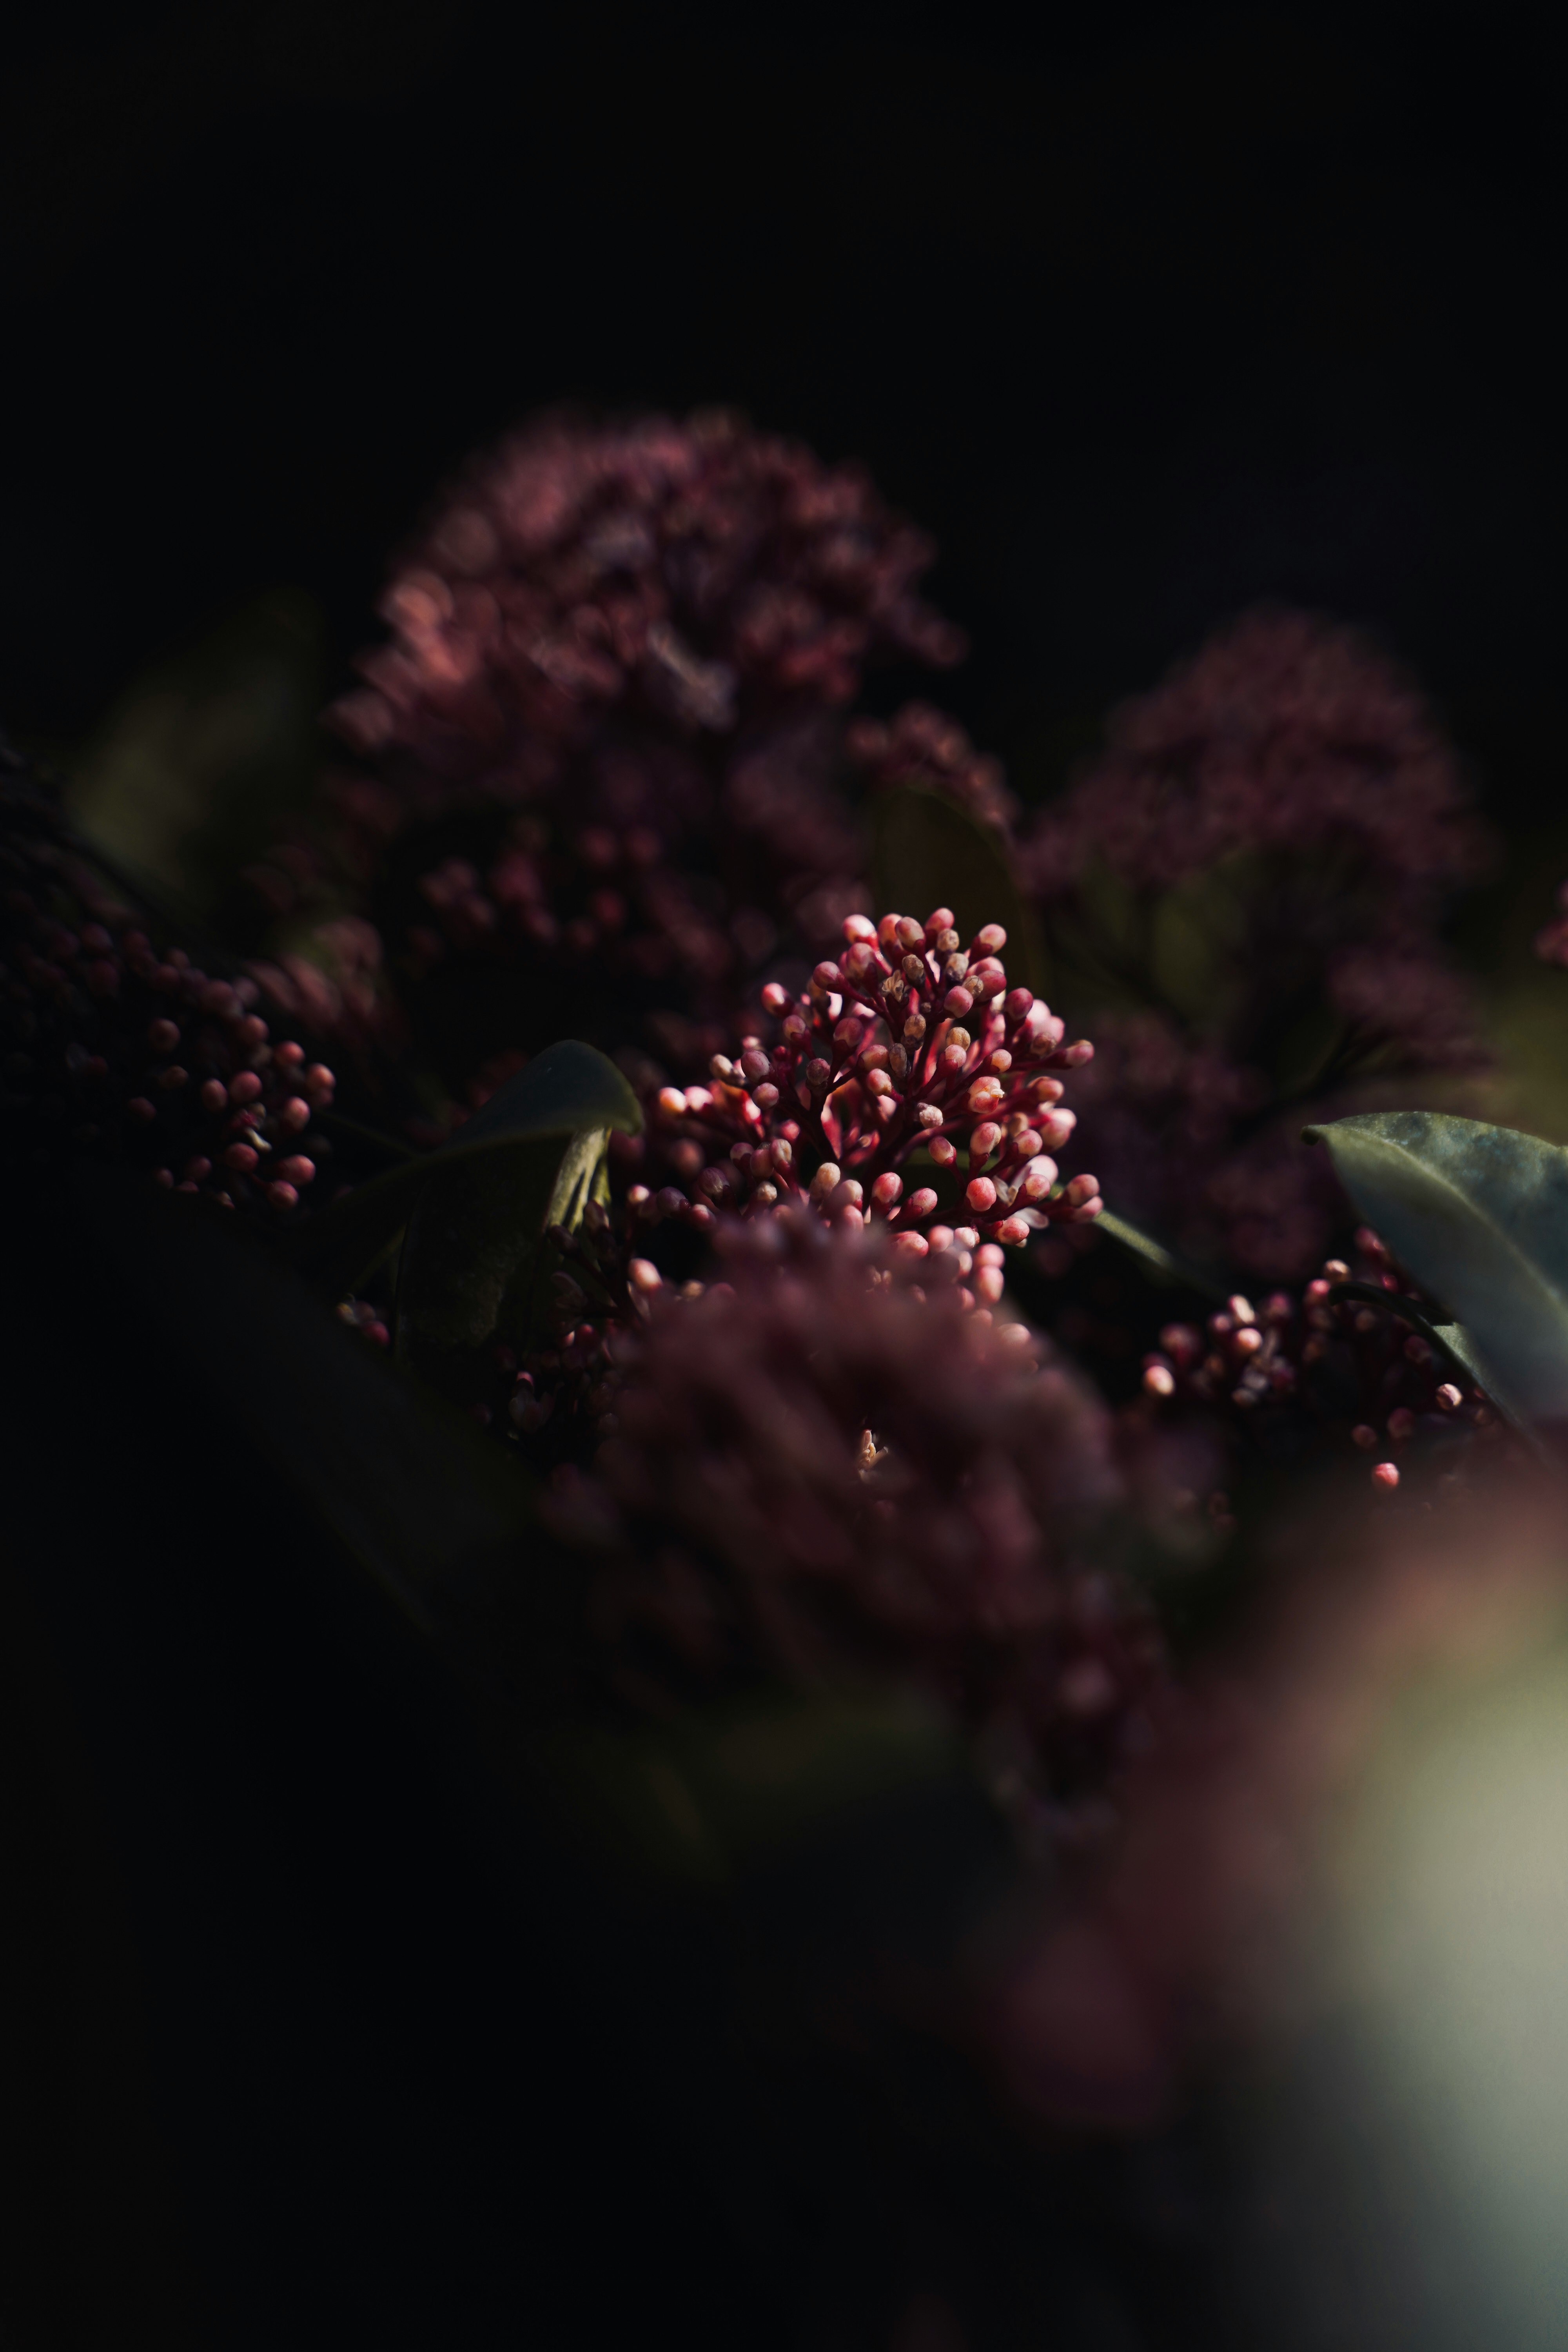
(598, 765)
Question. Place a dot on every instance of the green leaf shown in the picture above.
(525, 1129)
(1479, 1215)
(1166, 1265)
(410, 1487)
(930, 853)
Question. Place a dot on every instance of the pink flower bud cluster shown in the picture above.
(922, 746)
(119, 1047)
(818, 1466)
(1360, 1372)
(909, 1052)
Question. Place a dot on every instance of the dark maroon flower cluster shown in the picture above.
(117, 1043)
(909, 1047)
(1339, 1358)
(821, 1463)
(922, 746)
(600, 747)
(1258, 862)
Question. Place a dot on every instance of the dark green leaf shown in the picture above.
(1165, 1263)
(1480, 1216)
(928, 853)
(568, 1090)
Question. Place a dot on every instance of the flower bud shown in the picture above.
(943, 1151)
(958, 1002)
(1449, 1397)
(828, 977)
(878, 1083)
(1384, 1474)
(1018, 1006)
(982, 1142)
(912, 1245)
(1013, 1232)
(993, 938)
(981, 1194)
(909, 934)
(920, 1204)
(774, 998)
(822, 1182)
(817, 1073)
(643, 1274)
(1159, 1380)
(672, 1102)
(887, 1189)
(939, 920)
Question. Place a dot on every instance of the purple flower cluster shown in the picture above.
(1256, 865)
(822, 1464)
(116, 1043)
(1343, 1362)
(597, 762)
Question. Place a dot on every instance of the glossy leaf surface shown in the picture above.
(1478, 1214)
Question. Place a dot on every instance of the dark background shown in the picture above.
(1146, 312)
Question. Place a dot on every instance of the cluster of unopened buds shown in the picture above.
(1343, 1351)
(909, 1047)
(117, 1045)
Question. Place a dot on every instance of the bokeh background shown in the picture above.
(1147, 313)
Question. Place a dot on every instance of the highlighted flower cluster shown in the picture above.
(910, 1051)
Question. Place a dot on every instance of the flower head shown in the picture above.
(821, 1465)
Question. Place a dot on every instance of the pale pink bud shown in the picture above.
(983, 1096)
(1074, 1056)
(643, 1274)
(878, 1082)
(928, 1115)
(1181, 1342)
(828, 976)
(887, 1189)
(939, 920)
(1028, 1143)
(1080, 1189)
(887, 932)
(294, 1115)
(1384, 1474)
(943, 1151)
(989, 1285)
(910, 934)
(753, 1065)
(1013, 1231)
(1159, 1380)
(245, 1088)
(1241, 1309)
(825, 1178)
(1248, 1340)
(981, 1194)
(774, 998)
(958, 1002)
(1017, 1005)
(940, 1237)
(986, 979)
(966, 1237)
(920, 1204)
(766, 1096)
(912, 1245)
(858, 927)
(720, 1066)
(1086, 1211)
(982, 1142)
(1038, 1177)
(1450, 1398)
(672, 1102)
(1335, 1270)
(297, 1169)
(847, 1194)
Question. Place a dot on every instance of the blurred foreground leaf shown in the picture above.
(518, 1164)
(1478, 1214)
(927, 853)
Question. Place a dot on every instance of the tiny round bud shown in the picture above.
(1012, 1230)
(825, 1178)
(887, 1189)
(858, 927)
(920, 1204)
(828, 976)
(1335, 1270)
(1017, 1005)
(246, 1088)
(981, 1194)
(943, 1151)
(993, 938)
(909, 934)
(938, 921)
(982, 1142)
(1450, 1398)
(774, 998)
(282, 1196)
(766, 1096)
(294, 1115)
(1248, 1340)
(1384, 1474)
(847, 1194)
(297, 1169)
(1159, 1380)
(672, 1101)
(1241, 1309)
(319, 1079)
(643, 1274)
(817, 1073)
(214, 1094)
(912, 1245)
(958, 1002)
(754, 1064)
(241, 1157)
